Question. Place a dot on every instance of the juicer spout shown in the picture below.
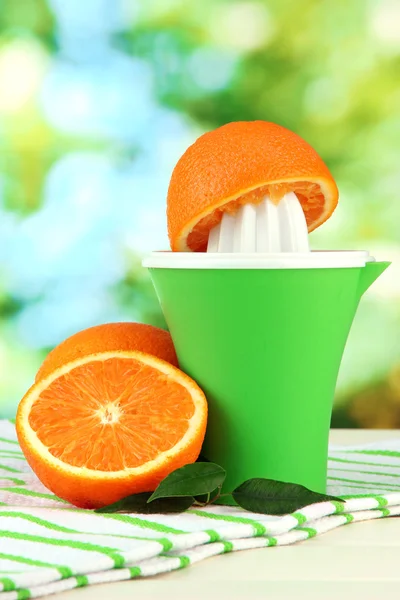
(370, 273)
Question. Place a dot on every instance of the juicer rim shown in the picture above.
(316, 259)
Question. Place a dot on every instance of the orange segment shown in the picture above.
(239, 163)
(110, 424)
(98, 397)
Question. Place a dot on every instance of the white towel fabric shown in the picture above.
(48, 546)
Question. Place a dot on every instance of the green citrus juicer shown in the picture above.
(263, 334)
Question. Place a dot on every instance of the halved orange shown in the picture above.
(106, 337)
(110, 424)
(239, 163)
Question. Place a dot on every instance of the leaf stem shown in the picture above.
(198, 503)
(206, 502)
(218, 496)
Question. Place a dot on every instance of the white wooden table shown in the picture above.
(358, 561)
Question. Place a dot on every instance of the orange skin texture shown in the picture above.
(238, 163)
(84, 491)
(109, 337)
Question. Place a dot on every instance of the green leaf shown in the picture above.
(191, 480)
(138, 503)
(276, 497)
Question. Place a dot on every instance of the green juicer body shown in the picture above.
(265, 345)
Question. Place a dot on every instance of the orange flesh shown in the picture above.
(106, 415)
(309, 194)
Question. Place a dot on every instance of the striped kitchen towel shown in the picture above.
(48, 546)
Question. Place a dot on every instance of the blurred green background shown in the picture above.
(99, 98)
